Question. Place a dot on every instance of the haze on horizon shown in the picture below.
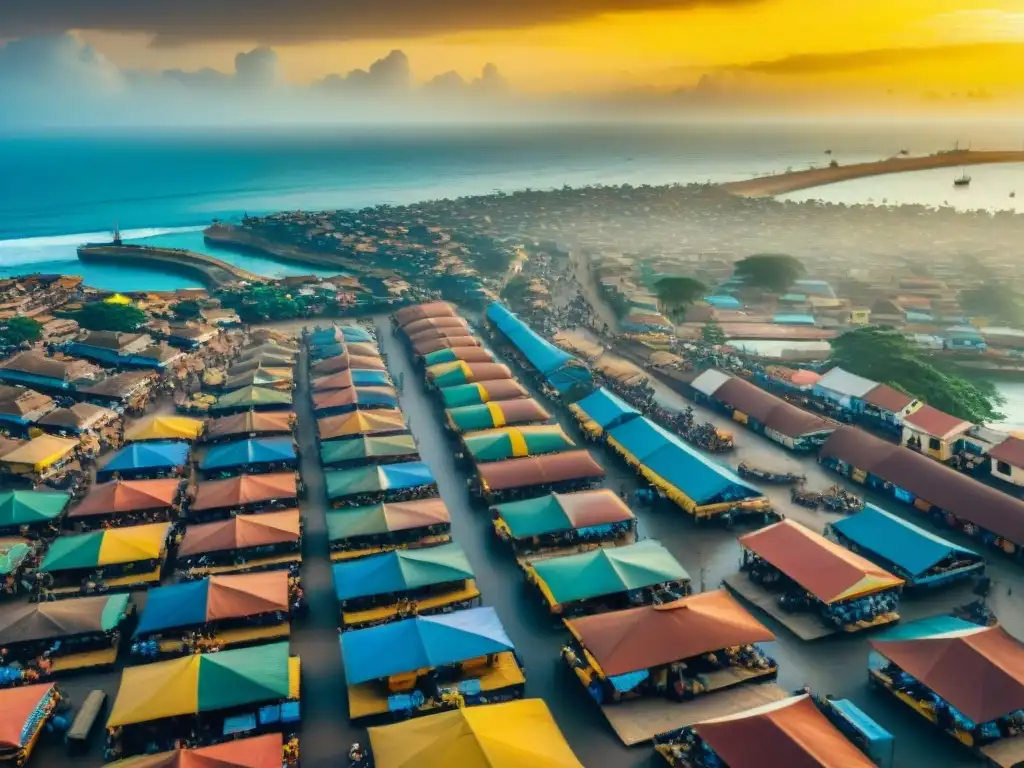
(94, 62)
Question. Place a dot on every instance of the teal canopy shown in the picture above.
(400, 571)
(31, 507)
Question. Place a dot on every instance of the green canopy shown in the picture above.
(70, 552)
(379, 519)
(400, 571)
(610, 571)
(512, 442)
(12, 553)
(245, 675)
(366, 447)
(31, 507)
(247, 397)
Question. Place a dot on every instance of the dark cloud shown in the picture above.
(826, 63)
(290, 21)
(390, 73)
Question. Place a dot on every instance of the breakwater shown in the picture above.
(239, 238)
(793, 181)
(210, 271)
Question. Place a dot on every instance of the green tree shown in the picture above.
(18, 330)
(712, 333)
(885, 355)
(266, 303)
(994, 300)
(774, 272)
(675, 293)
(104, 316)
(186, 310)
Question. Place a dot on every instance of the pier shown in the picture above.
(793, 181)
(210, 271)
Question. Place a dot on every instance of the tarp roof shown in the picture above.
(474, 394)
(424, 642)
(466, 354)
(364, 447)
(159, 454)
(650, 636)
(343, 333)
(265, 360)
(792, 733)
(17, 706)
(427, 346)
(931, 480)
(250, 422)
(510, 735)
(250, 396)
(372, 479)
(823, 568)
(609, 571)
(461, 372)
(400, 571)
(256, 752)
(113, 546)
(164, 428)
(496, 413)
(416, 326)
(541, 353)
(216, 598)
(354, 397)
(898, 541)
(845, 383)
(276, 378)
(774, 412)
(379, 519)
(351, 377)
(78, 416)
(378, 422)
(264, 450)
(242, 532)
(978, 670)
(40, 452)
(709, 381)
(31, 507)
(562, 512)
(120, 496)
(408, 315)
(604, 407)
(432, 334)
(29, 622)
(511, 442)
(703, 480)
(201, 683)
(538, 470)
(13, 552)
(247, 489)
(344, 362)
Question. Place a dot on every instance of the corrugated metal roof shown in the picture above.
(845, 383)
(709, 381)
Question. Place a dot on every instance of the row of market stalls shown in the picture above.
(669, 667)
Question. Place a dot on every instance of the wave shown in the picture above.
(56, 241)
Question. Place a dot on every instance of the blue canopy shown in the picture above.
(408, 474)
(702, 480)
(902, 543)
(929, 627)
(425, 642)
(605, 408)
(723, 301)
(158, 454)
(176, 605)
(361, 378)
(563, 371)
(263, 450)
(349, 334)
(400, 570)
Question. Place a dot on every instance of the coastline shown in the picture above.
(233, 236)
(210, 271)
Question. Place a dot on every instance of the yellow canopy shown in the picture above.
(40, 452)
(155, 691)
(511, 735)
(117, 298)
(164, 428)
(132, 544)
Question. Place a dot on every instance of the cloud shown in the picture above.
(256, 68)
(274, 21)
(57, 62)
(978, 24)
(390, 73)
(829, 63)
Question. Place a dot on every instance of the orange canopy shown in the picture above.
(241, 532)
(258, 752)
(433, 322)
(345, 361)
(376, 422)
(791, 733)
(250, 422)
(427, 346)
(655, 635)
(430, 334)
(128, 496)
(537, 470)
(16, 706)
(823, 568)
(246, 489)
(407, 315)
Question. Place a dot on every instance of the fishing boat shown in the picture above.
(963, 180)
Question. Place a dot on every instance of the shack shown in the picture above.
(933, 432)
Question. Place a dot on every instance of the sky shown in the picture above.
(682, 53)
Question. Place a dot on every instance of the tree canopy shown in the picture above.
(107, 316)
(712, 333)
(266, 302)
(675, 293)
(994, 300)
(774, 272)
(186, 310)
(886, 356)
(18, 330)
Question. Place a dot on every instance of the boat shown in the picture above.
(963, 180)
(766, 476)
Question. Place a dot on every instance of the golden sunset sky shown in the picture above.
(607, 44)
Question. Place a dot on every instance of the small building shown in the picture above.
(135, 350)
(860, 316)
(47, 373)
(889, 405)
(845, 389)
(21, 406)
(933, 432)
(1008, 460)
(964, 338)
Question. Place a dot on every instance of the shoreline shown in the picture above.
(210, 271)
(234, 237)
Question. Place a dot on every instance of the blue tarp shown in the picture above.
(425, 642)
(786, 318)
(604, 408)
(563, 371)
(902, 543)
(930, 627)
(723, 302)
(176, 605)
(158, 454)
(400, 571)
(702, 480)
(348, 334)
(361, 378)
(266, 450)
(409, 474)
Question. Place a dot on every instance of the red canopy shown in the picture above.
(16, 706)
(257, 752)
(127, 496)
(241, 532)
(246, 489)
(537, 470)
(345, 361)
(433, 322)
(427, 346)
(429, 334)
(408, 315)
